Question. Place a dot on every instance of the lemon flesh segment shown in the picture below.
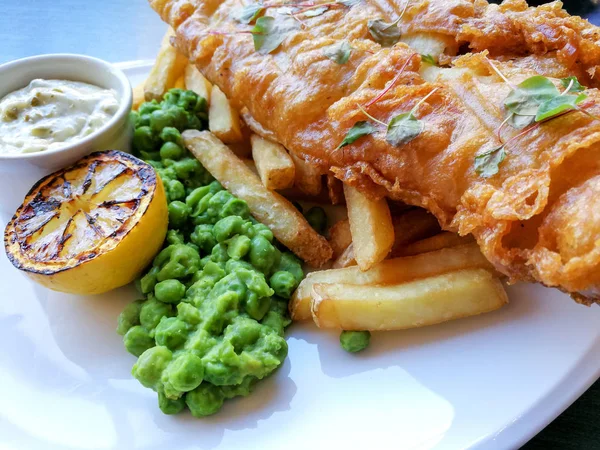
(91, 227)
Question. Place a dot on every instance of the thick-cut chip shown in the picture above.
(196, 82)
(308, 178)
(437, 242)
(346, 259)
(371, 227)
(412, 226)
(409, 305)
(223, 119)
(138, 95)
(274, 164)
(168, 67)
(180, 83)
(391, 271)
(340, 237)
(285, 221)
(335, 189)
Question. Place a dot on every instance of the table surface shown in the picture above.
(126, 30)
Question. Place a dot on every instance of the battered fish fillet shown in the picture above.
(538, 219)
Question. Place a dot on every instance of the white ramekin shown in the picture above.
(18, 172)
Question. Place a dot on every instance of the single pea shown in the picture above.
(144, 140)
(160, 119)
(171, 134)
(256, 307)
(152, 312)
(176, 261)
(317, 219)
(263, 254)
(171, 332)
(188, 313)
(178, 214)
(235, 207)
(148, 107)
(188, 100)
(187, 168)
(170, 150)
(175, 237)
(355, 341)
(219, 253)
(143, 120)
(205, 400)
(283, 283)
(172, 96)
(169, 406)
(194, 122)
(179, 117)
(203, 237)
(129, 317)
(238, 246)
(183, 374)
(169, 291)
(201, 108)
(149, 366)
(175, 190)
(229, 226)
(148, 281)
(137, 340)
(258, 229)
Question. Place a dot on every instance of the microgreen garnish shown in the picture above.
(359, 130)
(386, 34)
(572, 84)
(339, 53)
(558, 105)
(488, 163)
(403, 128)
(250, 13)
(268, 34)
(429, 60)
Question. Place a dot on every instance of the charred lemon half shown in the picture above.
(91, 227)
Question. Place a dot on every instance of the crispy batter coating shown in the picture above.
(534, 220)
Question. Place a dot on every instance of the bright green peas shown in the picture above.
(142, 120)
(219, 253)
(169, 406)
(290, 263)
(175, 190)
(160, 119)
(171, 332)
(201, 108)
(144, 140)
(150, 156)
(203, 237)
(137, 340)
(178, 117)
(148, 107)
(188, 100)
(150, 364)
(175, 237)
(149, 280)
(355, 341)
(170, 150)
(256, 307)
(243, 332)
(263, 255)
(235, 207)
(152, 312)
(229, 226)
(238, 246)
(178, 214)
(155, 164)
(193, 122)
(234, 265)
(183, 374)
(317, 219)
(171, 134)
(169, 291)
(258, 229)
(176, 261)
(283, 283)
(129, 317)
(187, 168)
(188, 313)
(172, 96)
(205, 400)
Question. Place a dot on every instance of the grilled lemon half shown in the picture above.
(91, 227)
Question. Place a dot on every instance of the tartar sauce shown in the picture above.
(49, 113)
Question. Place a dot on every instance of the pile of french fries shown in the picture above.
(376, 270)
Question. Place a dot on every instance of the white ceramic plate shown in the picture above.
(488, 382)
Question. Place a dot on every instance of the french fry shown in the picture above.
(223, 120)
(412, 226)
(340, 237)
(169, 66)
(274, 164)
(335, 189)
(180, 83)
(346, 259)
(371, 228)
(437, 242)
(285, 221)
(308, 177)
(391, 271)
(196, 82)
(416, 304)
(138, 95)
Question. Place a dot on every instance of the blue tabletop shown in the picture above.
(126, 30)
